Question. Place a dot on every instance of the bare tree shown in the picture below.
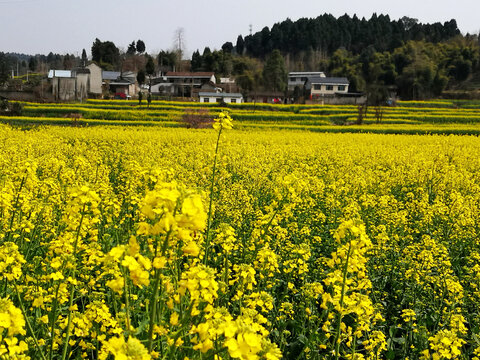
(179, 45)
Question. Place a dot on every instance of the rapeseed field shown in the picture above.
(171, 243)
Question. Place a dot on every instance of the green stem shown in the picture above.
(54, 317)
(72, 289)
(153, 302)
(17, 199)
(127, 301)
(29, 326)
(209, 222)
(340, 316)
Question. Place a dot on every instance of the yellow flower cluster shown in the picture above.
(315, 246)
(12, 324)
(11, 261)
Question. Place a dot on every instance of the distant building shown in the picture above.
(229, 98)
(270, 97)
(301, 79)
(69, 85)
(183, 83)
(95, 82)
(322, 86)
(123, 84)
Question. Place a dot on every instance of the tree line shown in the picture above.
(416, 60)
(327, 34)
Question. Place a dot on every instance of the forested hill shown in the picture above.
(327, 33)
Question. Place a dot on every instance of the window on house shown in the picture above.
(317, 87)
(341, 87)
(304, 79)
(329, 87)
(233, 101)
(219, 99)
(206, 100)
(293, 79)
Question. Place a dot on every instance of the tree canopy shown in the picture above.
(327, 33)
(105, 53)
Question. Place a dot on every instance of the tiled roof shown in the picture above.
(329, 80)
(212, 94)
(307, 73)
(110, 75)
(190, 74)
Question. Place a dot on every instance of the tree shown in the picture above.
(275, 72)
(240, 47)
(132, 49)
(32, 63)
(5, 63)
(179, 44)
(150, 66)
(166, 60)
(227, 47)
(408, 22)
(140, 46)
(141, 77)
(150, 69)
(105, 53)
(68, 61)
(196, 62)
(84, 58)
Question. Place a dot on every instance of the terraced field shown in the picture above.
(445, 117)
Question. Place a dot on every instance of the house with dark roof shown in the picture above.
(123, 84)
(328, 86)
(228, 98)
(184, 83)
(300, 78)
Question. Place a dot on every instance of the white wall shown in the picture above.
(324, 90)
(213, 99)
(95, 79)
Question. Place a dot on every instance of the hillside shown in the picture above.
(326, 33)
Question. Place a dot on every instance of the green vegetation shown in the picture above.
(408, 117)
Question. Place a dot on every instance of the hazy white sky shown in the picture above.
(61, 26)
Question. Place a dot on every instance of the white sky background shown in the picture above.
(66, 26)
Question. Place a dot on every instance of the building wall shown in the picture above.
(324, 91)
(82, 86)
(95, 85)
(337, 100)
(213, 99)
(63, 88)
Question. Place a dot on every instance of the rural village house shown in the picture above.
(183, 83)
(229, 98)
(123, 85)
(300, 79)
(69, 85)
(321, 86)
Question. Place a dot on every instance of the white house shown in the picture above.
(300, 78)
(212, 97)
(95, 81)
(183, 83)
(322, 86)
